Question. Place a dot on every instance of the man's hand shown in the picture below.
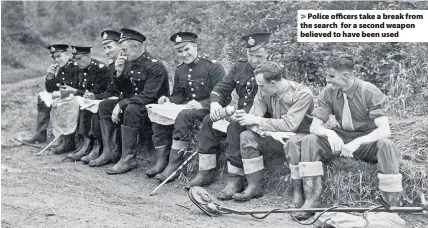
(115, 114)
(194, 105)
(349, 149)
(51, 71)
(215, 111)
(56, 94)
(89, 95)
(163, 100)
(336, 143)
(247, 119)
(67, 90)
(119, 65)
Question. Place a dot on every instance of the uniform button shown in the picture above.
(84, 73)
(111, 83)
(202, 83)
(139, 72)
(189, 76)
(248, 83)
(62, 72)
(92, 84)
(84, 79)
(139, 80)
(246, 97)
(71, 83)
(63, 78)
(193, 95)
(121, 92)
(190, 69)
(192, 89)
(132, 71)
(252, 78)
(237, 82)
(134, 84)
(136, 89)
(190, 83)
(136, 94)
(245, 104)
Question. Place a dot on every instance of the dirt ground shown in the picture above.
(43, 191)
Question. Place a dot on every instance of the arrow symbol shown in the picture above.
(302, 16)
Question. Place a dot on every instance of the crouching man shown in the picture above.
(289, 104)
(361, 110)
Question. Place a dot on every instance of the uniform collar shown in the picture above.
(196, 61)
(350, 93)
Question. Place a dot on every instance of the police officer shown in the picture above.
(141, 80)
(93, 78)
(193, 81)
(62, 72)
(241, 78)
(111, 48)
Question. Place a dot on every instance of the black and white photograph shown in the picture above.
(214, 114)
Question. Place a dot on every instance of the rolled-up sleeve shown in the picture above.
(378, 103)
(324, 109)
(292, 120)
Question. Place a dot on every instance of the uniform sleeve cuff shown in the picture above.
(214, 97)
(321, 114)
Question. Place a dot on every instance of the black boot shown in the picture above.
(67, 145)
(175, 160)
(43, 117)
(392, 198)
(86, 149)
(312, 187)
(203, 178)
(111, 150)
(297, 192)
(95, 152)
(58, 142)
(235, 184)
(130, 146)
(254, 188)
(162, 155)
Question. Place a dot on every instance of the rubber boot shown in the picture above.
(111, 152)
(58, 142)
(95, 152)
(162, 156)
(203, 178)
(392, 198)
(86, 149)
(175, 160)
(43, 117)
(67, 145)
(312, 187)
(130, 146)
(297, 193)
(254, 188)
(235, 184)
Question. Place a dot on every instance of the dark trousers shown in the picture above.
(208, 140)
(384, 152)
(95, 131)
(180, 130)
(85, 119)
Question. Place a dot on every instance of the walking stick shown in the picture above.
(174, 173)
(50, 144)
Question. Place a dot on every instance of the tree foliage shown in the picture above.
(400, 69)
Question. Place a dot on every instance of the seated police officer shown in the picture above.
(193, 81)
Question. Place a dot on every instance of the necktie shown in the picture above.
(346, 115)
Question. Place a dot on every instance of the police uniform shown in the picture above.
(143, 81)
(241, 78)
(66, 75)
(92, 79)
(192, 81)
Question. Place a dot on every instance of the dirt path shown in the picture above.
(42, 191)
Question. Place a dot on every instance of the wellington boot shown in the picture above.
(130, 146)
(95, 152)
(297, 193)
(83, 151)
(162, 157)
(43, 117)
(203, 178)
(111, 152)
(312, 188)
(175, 160)
(58, 142)
(66, 146)
(254, 188)
(392, 198)
(235, 184)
